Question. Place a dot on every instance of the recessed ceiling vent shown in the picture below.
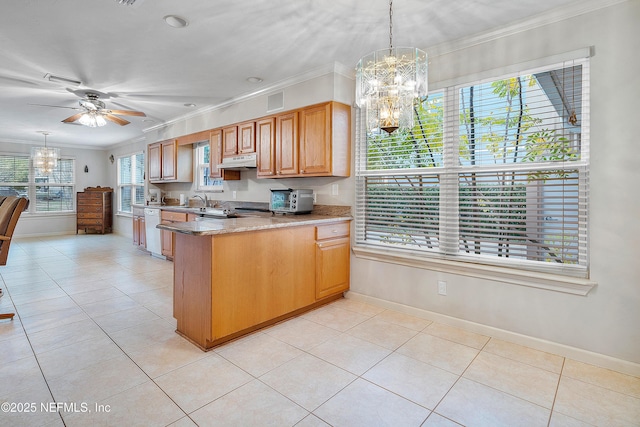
(275, 102)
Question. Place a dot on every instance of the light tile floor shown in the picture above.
(93, 343)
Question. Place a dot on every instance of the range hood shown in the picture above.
(246, 161)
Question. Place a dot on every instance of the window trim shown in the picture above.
(535, 279)
(216, 188)
(133, 185)
(572, 280)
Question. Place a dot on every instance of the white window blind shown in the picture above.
(130, 181)
(493, 172)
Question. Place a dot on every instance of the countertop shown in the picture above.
(250, 222)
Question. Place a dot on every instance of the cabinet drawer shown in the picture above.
(89, 208)
(173, 216)
(330, 231)
(89, 221)
(90, 215)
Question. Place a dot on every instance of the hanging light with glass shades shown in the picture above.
(44, 159)
(388, 81)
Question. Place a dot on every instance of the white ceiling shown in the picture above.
(131, 54)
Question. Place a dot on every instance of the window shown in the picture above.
(204, 181)
(54, 192)
(494, 172)
(130, 181)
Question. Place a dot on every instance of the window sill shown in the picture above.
(553, 282)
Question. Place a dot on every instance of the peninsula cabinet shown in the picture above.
(332, 259)
(170, 162)
(312, 141)
(220, 294)
(94, 210)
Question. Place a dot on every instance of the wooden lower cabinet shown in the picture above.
(139, 229)
(227, 285)
(332, 259)
(167, 238)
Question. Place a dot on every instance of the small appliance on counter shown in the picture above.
(291, 201)
(155, 197)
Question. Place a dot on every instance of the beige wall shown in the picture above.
(607, 320)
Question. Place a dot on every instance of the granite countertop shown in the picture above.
(252, 222)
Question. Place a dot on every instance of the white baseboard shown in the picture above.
(578, 354)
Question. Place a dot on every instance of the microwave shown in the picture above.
(291, 201)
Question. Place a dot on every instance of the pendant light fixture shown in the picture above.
(44, 159)
(388, 81)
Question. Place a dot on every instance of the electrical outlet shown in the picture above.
(442, 287)
(334, 189)
(233, 194)
(315, 198)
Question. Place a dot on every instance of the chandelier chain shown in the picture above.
(390, 24)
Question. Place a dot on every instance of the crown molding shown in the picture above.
(333, 68)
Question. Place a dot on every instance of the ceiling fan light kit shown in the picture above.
(44, 159)
(388, 82)
(95, 114)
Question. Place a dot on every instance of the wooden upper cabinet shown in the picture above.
(247, 138)
(266, 147)
(325, 134)
(215, 153)
(230, 141)
(312, 141)
(287, 144)
(155, 162)
(170, 162)
(216, 138)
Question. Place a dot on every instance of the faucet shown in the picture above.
(204, 199)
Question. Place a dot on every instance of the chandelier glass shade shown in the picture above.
(44, 159)
(92, 119)
(388, 82)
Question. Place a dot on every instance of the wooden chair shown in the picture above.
(10, 209)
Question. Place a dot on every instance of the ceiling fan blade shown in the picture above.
(54, 106)
(116, 119)
(127, 113)
(72, 118)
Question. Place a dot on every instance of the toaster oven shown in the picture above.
(291, 201)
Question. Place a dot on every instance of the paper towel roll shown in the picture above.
(182, 200)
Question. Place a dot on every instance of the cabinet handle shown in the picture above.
(302, 171)
(334, 231)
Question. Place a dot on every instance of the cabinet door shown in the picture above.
(215, 153)
(167, 242)
(143, 233)
(332, 266)
(169, 160)
(266, 146)
(315, 140)
(247, 138)
(287, 144)
(136, 230)
(230, 141)
(155, 162)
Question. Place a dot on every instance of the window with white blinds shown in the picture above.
(53, 192)
(494, 172)
(130, 181)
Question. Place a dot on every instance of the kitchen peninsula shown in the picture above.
(236, 275)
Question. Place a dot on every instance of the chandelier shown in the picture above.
(388, 81)
(92, 119)
(45, 159)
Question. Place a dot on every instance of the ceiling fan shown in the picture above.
(93, 112)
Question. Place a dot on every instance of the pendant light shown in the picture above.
(388, 81)
(44, 159)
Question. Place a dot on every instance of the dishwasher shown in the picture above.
(151, 220)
